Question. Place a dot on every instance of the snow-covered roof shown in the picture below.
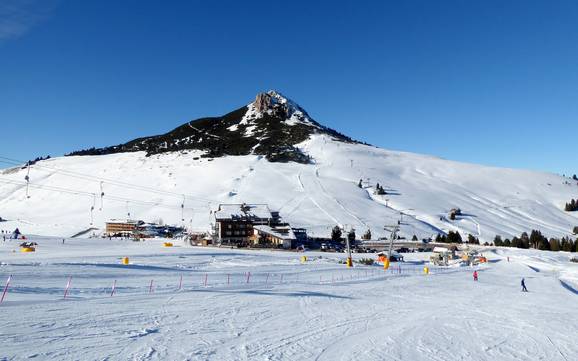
(243, 211)
(441, 250)
(281, 232)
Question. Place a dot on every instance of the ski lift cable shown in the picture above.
(106, 180)
(84, 193)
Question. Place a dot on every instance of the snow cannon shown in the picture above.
(349, 262)
(167, 244)
(426, 270)
(385, 264)
(303, 259)
(124, 261)
(27, 249)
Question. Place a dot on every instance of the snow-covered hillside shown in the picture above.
(317, 195)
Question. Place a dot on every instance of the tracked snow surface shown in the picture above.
(266, 305)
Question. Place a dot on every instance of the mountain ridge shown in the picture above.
(271, 126)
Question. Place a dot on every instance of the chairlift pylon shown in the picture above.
(101, 195)
(27, 178)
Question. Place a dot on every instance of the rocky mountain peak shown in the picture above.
(272, 125)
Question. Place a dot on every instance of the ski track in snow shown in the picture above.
(444, 316)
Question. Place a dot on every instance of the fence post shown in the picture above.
(113, 288)
(267, 279)
(181, 282)
(67, 286)
(206, 277)
(228, 278)
(248, 276)
(151, 287)
(6, 288)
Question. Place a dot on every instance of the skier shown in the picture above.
(523, 283)
(475, 275)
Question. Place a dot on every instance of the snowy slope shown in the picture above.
(317, 196)
(285, 310)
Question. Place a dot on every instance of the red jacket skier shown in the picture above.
(475, 275)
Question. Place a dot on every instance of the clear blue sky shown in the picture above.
(492, 82)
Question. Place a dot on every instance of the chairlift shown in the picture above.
(101, 195)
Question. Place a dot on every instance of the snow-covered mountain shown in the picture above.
(271, 151)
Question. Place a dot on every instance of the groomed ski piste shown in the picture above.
(195, 303)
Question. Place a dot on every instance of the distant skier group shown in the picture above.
(522, 283)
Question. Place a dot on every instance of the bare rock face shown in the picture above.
(263, 102)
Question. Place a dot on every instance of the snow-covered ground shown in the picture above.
(267, 305)
(317, 196)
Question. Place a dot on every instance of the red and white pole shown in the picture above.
(67, 286)
(6, 288)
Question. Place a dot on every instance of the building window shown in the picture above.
(228, 233)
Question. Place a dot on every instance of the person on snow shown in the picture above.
(523, 283)
(475, 275)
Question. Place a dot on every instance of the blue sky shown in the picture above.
(491, 82)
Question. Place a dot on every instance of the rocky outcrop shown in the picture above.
(262, 102)
(271, 126)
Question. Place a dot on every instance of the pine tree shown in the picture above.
(525, 241)
(575, 230)
(544, 245)
(454, 237)
(554, 245)
(351, 236)
(516, 242)
(414, 238)
(507, 243)
(336, 234)
(535, 239)
(567, 245)
(498, 241)
(575, 177)
(367, 235)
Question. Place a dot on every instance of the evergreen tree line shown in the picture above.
(538, 241)
(455, 237)
(572, 206)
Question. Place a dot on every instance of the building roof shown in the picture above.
(243, 211)
(281, 232)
